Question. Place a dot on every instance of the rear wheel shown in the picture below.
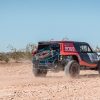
(39, 72)
(72, 69)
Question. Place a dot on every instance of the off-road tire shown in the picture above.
(98, 66)
(39, 72)
(72, 69)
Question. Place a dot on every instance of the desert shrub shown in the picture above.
(4, 57)
(14, 54)
(25, 53)
(28, 50)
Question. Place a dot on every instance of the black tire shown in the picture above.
(39, 72)
(98, 66)
(72, 69)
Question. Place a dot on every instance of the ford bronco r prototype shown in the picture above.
(68, 56)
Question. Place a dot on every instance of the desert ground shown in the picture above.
(17, 82)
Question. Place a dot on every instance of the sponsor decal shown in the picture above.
(69, 47)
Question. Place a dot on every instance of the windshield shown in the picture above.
(84, 48)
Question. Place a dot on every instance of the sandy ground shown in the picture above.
(17, 82)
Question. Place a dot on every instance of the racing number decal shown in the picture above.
(69, 47)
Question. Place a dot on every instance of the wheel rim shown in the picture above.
(74, 70)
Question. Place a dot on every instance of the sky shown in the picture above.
(29, 21)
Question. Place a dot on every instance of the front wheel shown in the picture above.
(72, 69)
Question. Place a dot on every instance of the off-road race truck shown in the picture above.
(68, 56)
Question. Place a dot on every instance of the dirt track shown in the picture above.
(18, 83)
